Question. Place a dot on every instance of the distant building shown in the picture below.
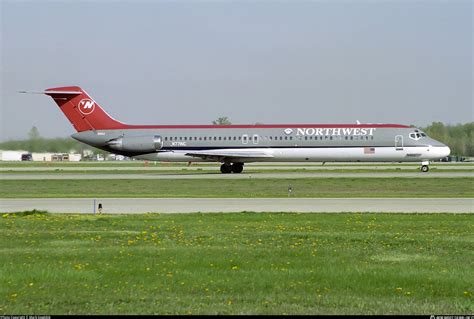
(74, 157)
(66, 157)
(42, 157)
(38, 157)
(11, 155)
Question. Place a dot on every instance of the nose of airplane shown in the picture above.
(441, 151)
(445, 151)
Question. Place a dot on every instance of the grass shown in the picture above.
(235, 188)
(241, 263)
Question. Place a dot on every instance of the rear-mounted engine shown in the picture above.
(137, 144)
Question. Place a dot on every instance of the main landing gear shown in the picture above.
(424, 167)
(227, 168)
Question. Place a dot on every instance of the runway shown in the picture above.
(218, 175)
(226, 205)
(215, 168)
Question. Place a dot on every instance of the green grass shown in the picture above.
(242, 263)
(302, 187)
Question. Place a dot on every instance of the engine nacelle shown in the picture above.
(136, 144)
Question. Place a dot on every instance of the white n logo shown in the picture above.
(86, 106)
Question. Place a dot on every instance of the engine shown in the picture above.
(136, 144)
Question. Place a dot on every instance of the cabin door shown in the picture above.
(399, 143)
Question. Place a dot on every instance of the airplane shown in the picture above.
(235, 145)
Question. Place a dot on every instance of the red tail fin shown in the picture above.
(81, 110)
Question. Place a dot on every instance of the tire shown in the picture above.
(226, 169)
(237, 167)
(425, 168)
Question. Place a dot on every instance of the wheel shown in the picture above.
(226, 169)
(237, 167)
(425, 168)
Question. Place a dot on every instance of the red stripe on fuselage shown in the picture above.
(125, 126)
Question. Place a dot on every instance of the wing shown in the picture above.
(232, 155)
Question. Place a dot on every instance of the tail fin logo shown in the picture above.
(86, 106)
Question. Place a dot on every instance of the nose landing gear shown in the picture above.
(425, 167)
(227, 168)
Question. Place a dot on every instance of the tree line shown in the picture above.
(459, 137)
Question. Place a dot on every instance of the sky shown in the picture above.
(272, 62)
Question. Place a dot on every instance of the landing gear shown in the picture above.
(226, 168)
(424, 166)
(237, 167)
(232, 168)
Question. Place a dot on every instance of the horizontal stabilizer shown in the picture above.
(53, 92)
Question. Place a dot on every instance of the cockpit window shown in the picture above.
(416, 135)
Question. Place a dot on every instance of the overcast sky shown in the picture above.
(190, 62)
